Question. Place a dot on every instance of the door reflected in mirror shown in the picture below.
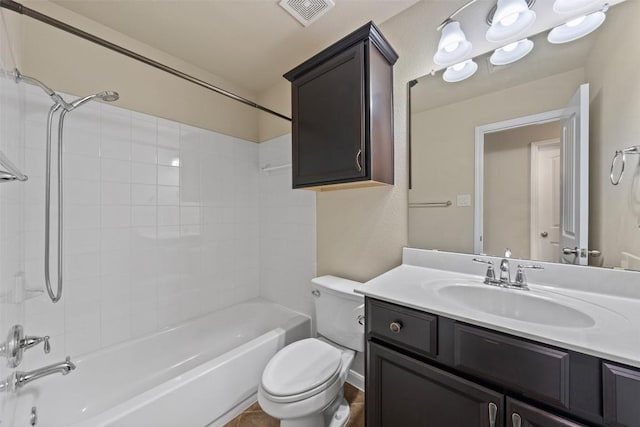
(519, 156)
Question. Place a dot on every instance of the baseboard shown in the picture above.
(356, 379)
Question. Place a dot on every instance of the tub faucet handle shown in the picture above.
(28, 342)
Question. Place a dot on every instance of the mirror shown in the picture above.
(519, 156)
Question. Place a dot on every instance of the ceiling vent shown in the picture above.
(307, 11)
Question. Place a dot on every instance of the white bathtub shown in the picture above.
(199, 373)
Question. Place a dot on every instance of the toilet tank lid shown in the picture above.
(336, 284)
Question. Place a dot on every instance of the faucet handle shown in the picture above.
(482, 261)
(28, 342)
(490, 276)
(521, 279)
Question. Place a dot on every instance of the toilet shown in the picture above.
(302, 385)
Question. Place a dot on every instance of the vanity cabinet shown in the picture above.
(432, 371)
(409, 392)
(342, 112)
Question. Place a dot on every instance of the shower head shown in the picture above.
(107, 96)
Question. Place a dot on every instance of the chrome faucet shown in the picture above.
(18, 378)
(504, 280)
(505, 273)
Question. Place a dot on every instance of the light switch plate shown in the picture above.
(463, 200)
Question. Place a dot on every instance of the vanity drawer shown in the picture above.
(621, 395)
(411, 329)
(534, 370)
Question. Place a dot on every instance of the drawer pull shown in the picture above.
(395, 327)
(493, 414)
(516, 420)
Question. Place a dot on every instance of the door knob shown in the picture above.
(570, 251)
(544, 234)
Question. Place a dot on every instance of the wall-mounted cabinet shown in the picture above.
(342, 108)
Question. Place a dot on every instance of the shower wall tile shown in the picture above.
(287, 232)
(161, 221)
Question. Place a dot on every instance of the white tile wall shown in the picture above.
(287, 232)
(12, 198)
(163, 222)
(161, 225)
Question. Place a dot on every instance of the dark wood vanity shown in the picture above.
(432, 371)
(342, 107)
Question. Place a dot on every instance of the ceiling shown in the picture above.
(249, 42)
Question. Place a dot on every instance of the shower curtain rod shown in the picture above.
(23, 10)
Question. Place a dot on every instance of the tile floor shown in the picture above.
(255, 417)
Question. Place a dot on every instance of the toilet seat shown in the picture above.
(300, 370)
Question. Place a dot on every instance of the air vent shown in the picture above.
(307, 11)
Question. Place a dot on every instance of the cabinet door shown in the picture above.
(522, 415)
(328, 129)
(621, 395)
(402, 391)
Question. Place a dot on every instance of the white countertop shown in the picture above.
(614, 334)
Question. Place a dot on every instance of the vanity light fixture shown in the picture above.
(453, 46)
(460, 71)
(577, 27)
(511, 18)
(574, 6)
(511, 52)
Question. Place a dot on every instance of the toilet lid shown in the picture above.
(300, 367)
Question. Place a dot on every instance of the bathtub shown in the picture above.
(202, 372)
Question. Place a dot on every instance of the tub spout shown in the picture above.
(18, 378)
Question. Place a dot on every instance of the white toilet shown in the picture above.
(302, 385)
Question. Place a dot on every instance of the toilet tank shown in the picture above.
(337, 311)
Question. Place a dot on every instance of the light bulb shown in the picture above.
(452, 46)
(510, 47)
(509, 19)
(577, 21)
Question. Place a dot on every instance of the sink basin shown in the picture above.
(516, 304)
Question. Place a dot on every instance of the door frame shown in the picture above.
(535, 149)
(480, 131)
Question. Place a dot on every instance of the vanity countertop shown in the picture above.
(613, 332)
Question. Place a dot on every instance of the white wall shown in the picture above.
(287, 232)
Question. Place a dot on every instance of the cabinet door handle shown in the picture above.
(358, 165)
(493, 414)
(395, 327)
(516, 421)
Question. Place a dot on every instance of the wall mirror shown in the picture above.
(519, 156)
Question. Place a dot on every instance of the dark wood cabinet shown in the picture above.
(621, 395)
(522, 415)
(428, 370)
(536, 370)
(342, 108)
(408, 392)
